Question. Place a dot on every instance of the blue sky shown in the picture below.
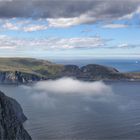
(70, 29)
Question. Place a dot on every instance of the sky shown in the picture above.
(70, 29)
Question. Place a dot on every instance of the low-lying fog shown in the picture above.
(68, 108)
(53, 92)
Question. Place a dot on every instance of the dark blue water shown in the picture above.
(78, 117)
(57, 116)
(122, 65)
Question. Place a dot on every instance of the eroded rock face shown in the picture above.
(89, 72)
(99, 72)
(71, 70)
(92, 72)
(17, 77)
(11, 120)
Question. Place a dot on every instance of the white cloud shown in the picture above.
(70, 13)
(70, 43)
(52, 93)
(7, 47)
(90, 17)
(47, 44)
(10, 26)
(67, 22)
(126, 45)
(69, 94)
(6, 42)
(24, 25)
(52, 43)
(113, 26)
(33, 28)
(131, 15)
(123, 45)
(73, 86)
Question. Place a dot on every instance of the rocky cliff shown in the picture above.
(11, 120)
(25, 70)
(88, 72)
(17, 77)
(93, 72)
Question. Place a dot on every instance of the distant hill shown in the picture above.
(24, 70)
(27, 65)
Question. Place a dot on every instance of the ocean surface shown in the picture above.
(67, 109)
(123, 65)
(74, 117)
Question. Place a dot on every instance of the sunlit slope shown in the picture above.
(25, 69)
(29, 65)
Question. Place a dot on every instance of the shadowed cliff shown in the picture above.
(11, 120)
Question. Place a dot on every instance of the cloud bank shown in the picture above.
(73, 86)
(51, 43)
(24, 25)
(114, 26)
(32, 26)
(67, 8)
(65, 13)
(68, 93)
(54, 93)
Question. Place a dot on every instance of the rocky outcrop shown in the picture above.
(26, 70)
(92, 72)
(11, 120)
(17, 77)
(99, 72)
(89, 72)
(70, 70)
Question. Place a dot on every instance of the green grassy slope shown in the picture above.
(29, 65)
(46, 69)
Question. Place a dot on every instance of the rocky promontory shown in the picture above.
(26, 70)
(93, 72)
(11, 120)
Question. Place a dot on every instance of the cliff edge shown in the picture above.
(11, 120)
(27, 70)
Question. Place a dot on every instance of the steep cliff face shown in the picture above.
(70, 70)
(17, 77)
(11, 120)
(88, 72)
(99, 72)
(92, 72)
(26, 70)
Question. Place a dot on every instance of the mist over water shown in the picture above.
(53, 93)
(71, 109)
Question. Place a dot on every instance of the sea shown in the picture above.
(68, 109)
(123, 65)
